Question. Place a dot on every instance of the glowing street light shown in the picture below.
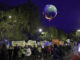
(10, 17)
(78, 30)
(40, 30)
(78, 34)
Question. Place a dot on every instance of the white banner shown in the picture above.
(19, 43)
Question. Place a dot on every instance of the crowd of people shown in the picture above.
(53, 52)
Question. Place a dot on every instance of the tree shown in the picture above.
(53, 33)
(49, 33)
(62, 35)
(19, 21)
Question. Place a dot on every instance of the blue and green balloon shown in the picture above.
(50, 11)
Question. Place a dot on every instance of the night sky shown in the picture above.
(67, 19)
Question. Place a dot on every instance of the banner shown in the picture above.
(19, 43)
(31, 43)
(61, 42)
(55, 41)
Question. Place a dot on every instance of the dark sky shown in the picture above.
(68, 17)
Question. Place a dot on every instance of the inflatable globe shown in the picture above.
(50, 11)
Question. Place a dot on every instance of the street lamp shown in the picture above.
(40, 30)
(38, 34)
(78, 34)
(10, 17)
(78, 30)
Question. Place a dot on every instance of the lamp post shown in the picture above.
(10, 17)
(78, 34)
(39, 33)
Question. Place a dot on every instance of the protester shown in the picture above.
(48, 50)
(10, 52)
(39, 51)
(15, 52)
(75, 52)
(61, 52)
(4, 52)
(23, 53)
(44, 52)
(27, 53)
(34, 52)
(55, 52)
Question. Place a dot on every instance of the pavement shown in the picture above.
(68, 56)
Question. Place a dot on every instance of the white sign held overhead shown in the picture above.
(68, 40)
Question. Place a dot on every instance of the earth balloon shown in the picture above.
(50, 11)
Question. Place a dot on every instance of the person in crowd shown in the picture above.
(48, 50)
(64, 49)
(44, 51)
(20, 53)
(68, 48)
(27, 53)
(4, 52)
(39, 51)
(55, 52)
(15, 52)
(34, 52)
(61, 52)
(10, 53)
(52, 46)
(23, 53)
(75, 49)
(75, 52)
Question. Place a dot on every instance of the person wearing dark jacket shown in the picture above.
(15, 53)
(55, 52)
(10, 52)
(61, 52)
(4, 52)
(34, 53)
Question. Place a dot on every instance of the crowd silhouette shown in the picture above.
(53, 52)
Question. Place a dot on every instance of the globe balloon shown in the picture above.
(49, 12)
